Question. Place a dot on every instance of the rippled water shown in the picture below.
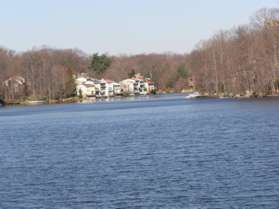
(160, 152)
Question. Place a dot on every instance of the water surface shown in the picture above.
(155, 152)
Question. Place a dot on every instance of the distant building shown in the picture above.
(138, 85)
(116, 89)
(80, 80)
(150, 86)
(85, 87)
(97, 87)
(90, 87)
(106, 88)
(128, 86)
(14, 87)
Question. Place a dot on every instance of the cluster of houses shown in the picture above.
(90, 87)
(14, 87)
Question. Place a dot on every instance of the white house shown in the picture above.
(150, 86)
(116, 89)
(97, 87)
(140, 86)
(80, 80)
(128, 86)
(86, 90)
(85, 87)
(106, 88)
(89, 87)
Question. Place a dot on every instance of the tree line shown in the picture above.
(240, 61)
(48, 72)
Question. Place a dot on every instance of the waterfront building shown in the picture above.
(150, 86)
(128, 86)
(86, 89)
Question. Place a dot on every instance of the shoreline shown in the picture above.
(73, 100)
(70, 100)
(202, 96)
(76, 99)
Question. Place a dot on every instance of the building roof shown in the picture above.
(88, 85)
(128, 80)
(138, 78)
(18, 79)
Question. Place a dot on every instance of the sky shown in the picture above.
(120, 26)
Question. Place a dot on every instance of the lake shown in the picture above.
(149, 152)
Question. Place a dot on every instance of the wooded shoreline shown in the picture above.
(241, 62)
(73, 100)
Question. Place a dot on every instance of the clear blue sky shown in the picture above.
(120, 26)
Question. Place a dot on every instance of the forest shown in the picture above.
(240, 61)
(48, 73)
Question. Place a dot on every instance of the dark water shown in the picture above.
(162, 152)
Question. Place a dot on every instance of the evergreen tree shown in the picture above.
(99, 64)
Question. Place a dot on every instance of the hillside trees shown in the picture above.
(240, 61)
(162, 68)
(244, 60)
